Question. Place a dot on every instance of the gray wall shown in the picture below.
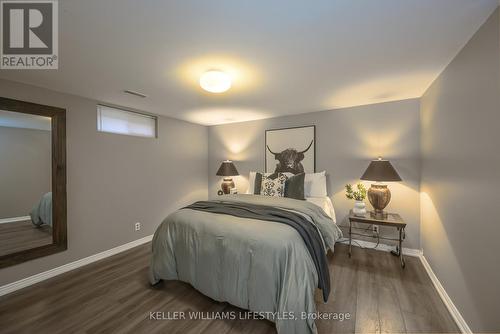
(461, 178)
(115, 180)
(25, 169)
(347, 139)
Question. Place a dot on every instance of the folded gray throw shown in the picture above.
(306, 230)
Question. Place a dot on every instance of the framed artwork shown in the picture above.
(291, 150)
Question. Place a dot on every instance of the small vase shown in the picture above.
(359, 208)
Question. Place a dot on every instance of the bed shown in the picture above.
(255, 264)
(41, 214)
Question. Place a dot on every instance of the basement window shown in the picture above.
(114, 120)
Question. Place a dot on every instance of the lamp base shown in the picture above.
(379, 215)
(379, 196)
(227, 185)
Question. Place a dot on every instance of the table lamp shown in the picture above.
(226, 169)
(380, 171)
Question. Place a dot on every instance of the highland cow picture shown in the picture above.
(291, 150)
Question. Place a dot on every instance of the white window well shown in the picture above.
(125, 122)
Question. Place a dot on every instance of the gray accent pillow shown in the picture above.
(294, 187)
(257, 184)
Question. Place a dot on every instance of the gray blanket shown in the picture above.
(307, 230)
(250, 263)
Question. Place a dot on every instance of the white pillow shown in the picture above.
(326, 204)
(251, 183)
(314, 185)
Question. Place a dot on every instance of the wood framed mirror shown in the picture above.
(32, 181)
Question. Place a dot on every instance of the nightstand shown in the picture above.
(386, 219)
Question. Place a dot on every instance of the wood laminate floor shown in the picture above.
(23, 235)
(114, 296)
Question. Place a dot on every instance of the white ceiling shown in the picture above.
(286, 56)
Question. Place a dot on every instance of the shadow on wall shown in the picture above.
(240, 147)
(224, 115)
(384, 143)
(436, 238)
(381, 89)
(236, 145)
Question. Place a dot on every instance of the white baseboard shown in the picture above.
(384, 247)
(14, 219)
(461, 323)
(11, 287)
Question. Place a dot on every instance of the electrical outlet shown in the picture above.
(137, 226)
(375, 229)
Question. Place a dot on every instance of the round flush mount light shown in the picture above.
(215, 81)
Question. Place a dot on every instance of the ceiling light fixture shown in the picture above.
(215, 81)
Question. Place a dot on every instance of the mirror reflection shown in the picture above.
(25, 182)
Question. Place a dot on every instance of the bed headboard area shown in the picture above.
(344, 142)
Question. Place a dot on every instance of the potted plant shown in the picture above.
(358, 195)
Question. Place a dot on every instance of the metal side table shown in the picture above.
(385, 219)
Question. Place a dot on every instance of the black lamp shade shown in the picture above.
(380, 171)
(227, 168)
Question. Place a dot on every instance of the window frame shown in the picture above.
(126, 111)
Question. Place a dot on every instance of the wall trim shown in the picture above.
(460, 321)
(14, 219)
(11, 287)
